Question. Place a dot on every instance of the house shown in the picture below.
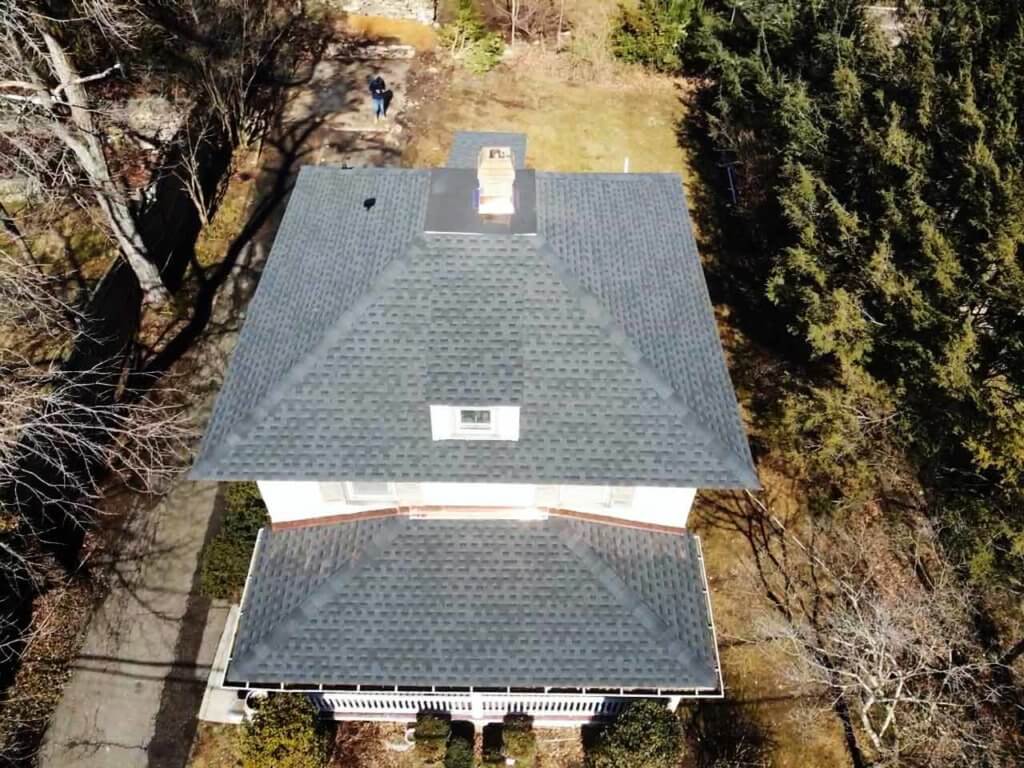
(478, 436)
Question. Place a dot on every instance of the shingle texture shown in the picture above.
(466, 147)
(599, 328)
(397, 601)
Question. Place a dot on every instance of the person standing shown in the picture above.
(378, 91)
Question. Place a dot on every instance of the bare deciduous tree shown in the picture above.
(535, 19)
(879, 621)
(48, 130)
(62, 433)
(188, 170)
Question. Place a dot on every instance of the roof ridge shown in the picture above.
(341, 327)
(321, 595)
(594, 309)
(638, 608)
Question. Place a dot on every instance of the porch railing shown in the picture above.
(478, 706)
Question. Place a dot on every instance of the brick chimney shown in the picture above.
(496, 176)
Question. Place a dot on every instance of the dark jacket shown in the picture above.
(378, 87)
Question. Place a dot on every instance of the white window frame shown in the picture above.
(354, 496)
(446, 424)
(621, 496)
(332, 492)
(587, 495)
(462, 429)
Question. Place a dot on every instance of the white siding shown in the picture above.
(289, 501)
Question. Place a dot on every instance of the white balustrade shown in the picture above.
(477, 706)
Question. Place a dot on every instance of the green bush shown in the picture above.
(653, 32)
(468, 39)
(283, 733)
(519, 741)
(226, 559)
(644, 735)
(431, 737)
(484, 54)
(466, 27)
(459, 754)
(245, 511)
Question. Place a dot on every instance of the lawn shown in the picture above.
(570, 126)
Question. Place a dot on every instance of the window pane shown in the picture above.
(475, 417)
(332, 492)
(371, 489)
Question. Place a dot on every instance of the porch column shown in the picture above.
(673, 703)
(476, 706)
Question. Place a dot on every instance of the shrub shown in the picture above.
(283, 733)
(245, 511)
(459, 754)
(484, 54)
(226, 559)
(644, 735)
(652, 33)
(431, 737)
(468, 39)
(519, 741)
(723, 735)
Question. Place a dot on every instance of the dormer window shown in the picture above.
(369, 490)
(474, 422)
(357, 492)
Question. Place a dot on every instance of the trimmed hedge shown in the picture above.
(459, 754)
(519, 741)
(431, 737)
(226, 559)
(283, 733)
(644, 735)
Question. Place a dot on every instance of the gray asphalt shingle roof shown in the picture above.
(600, 328)
(398, 601)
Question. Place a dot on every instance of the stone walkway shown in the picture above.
(139, 678)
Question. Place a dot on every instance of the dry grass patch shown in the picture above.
(795, 724)
(230, 216)
(215, 746)
(364, 745)
(386, 30)
(59, 620)
(570, 126)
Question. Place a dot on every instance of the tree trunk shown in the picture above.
(82, 139)
(133, 250)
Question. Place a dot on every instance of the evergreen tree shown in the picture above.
(881, 189)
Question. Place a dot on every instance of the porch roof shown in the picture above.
(403, 602)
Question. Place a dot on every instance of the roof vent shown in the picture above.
(496, 175)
